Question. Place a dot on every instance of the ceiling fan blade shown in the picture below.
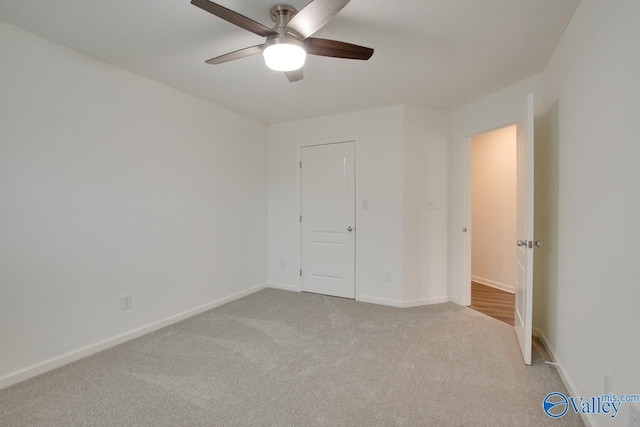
(242, 53)
(295, 76)
(234, 18)
(336, 49)
(314, 16)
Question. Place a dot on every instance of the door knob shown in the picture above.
(538, 243)
(349, 229)
(522, 243)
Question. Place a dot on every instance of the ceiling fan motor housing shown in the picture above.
(281, 15)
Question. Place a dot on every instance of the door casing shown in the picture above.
(466, 194)
(357, 207)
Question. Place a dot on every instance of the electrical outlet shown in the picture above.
(365, 203)
(125, 302)
(432, 204)
(387, 276)
(634, 415)
(282, 266)
(608, 382)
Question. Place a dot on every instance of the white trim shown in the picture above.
(358, 209)
(403, 304)
(283, 286)
(80, 353)
(356, 148)
(425, 301)
(493, 284)
(466, 208)
(564, 375)
(456, 301)
(380, 301)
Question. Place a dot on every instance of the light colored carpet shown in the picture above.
(278, 358)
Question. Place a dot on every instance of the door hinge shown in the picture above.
(300, 218)
(300, 272)
(300, 164)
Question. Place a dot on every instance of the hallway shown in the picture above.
(493, 302)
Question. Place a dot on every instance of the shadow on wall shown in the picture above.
(545, 272)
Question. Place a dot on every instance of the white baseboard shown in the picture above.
(564, 375)
(494, 284)
(379, 301)
(374, 300)
(425, 301)
(283, 286)
(66, 358)
(403, 304)
(456, 301)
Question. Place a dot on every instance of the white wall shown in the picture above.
(111, 184)
(587, 116)
(427, 135)
(547, 201)
(493, 208)
(379, 171)
(593, 76)
(401, 164)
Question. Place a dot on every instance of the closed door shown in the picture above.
(328, 219)
(524, 231)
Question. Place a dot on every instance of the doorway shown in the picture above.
(522, 116)
(493, 198)
(327, 220)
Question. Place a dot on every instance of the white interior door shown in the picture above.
(328, 219)
(524, 231)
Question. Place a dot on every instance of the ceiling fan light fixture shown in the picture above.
(289, 41)
(284, 55)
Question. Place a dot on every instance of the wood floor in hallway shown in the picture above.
(493, 302)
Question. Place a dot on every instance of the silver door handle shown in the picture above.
(349, 229)
(538, 243)
(522, 243)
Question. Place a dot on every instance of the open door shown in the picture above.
(524, 231)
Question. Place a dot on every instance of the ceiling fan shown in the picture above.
(289, 41)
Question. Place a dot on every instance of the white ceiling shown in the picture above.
(433, 53)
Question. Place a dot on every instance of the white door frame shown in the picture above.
(466, 191)
(357, 207)
(464, 157)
